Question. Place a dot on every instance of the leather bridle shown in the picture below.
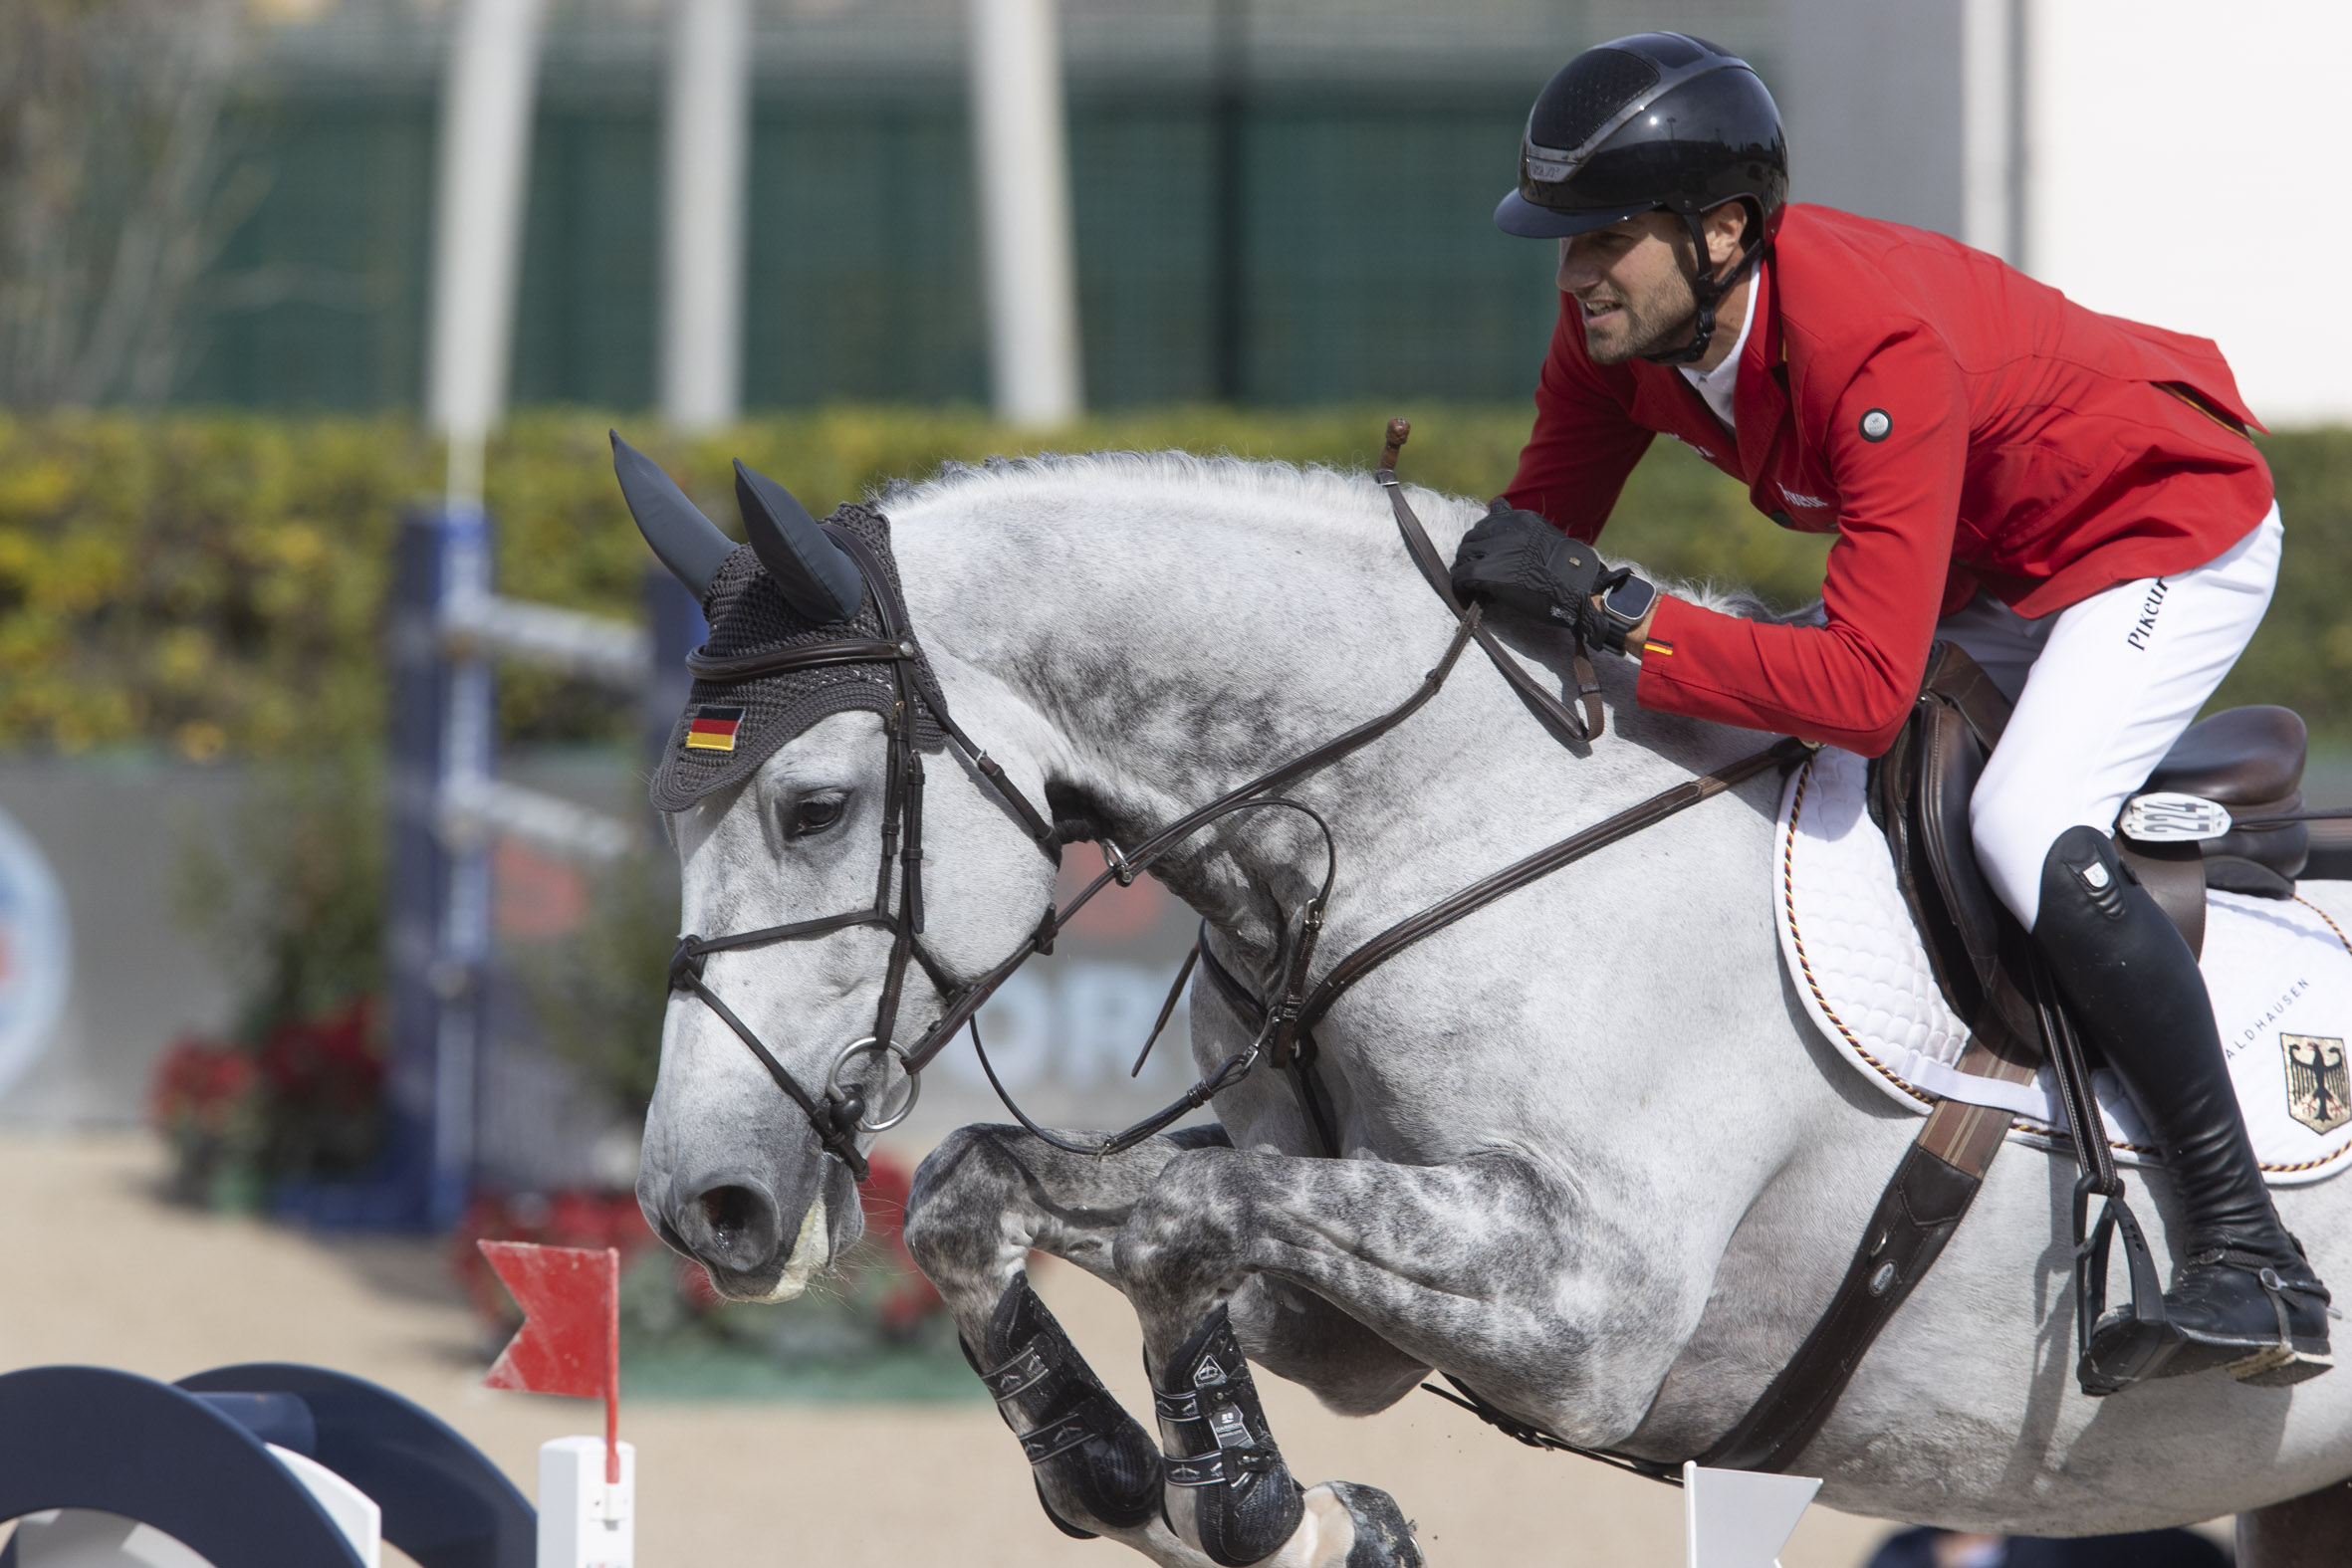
(837, 1110)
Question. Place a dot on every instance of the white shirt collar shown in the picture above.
(1717, 385)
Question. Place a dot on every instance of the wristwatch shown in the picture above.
(1623, 602)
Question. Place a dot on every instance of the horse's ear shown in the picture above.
(688, 543)
(817, 576)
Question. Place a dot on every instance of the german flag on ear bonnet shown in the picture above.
(748, 614)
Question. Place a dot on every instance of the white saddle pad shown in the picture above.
(2279, 972)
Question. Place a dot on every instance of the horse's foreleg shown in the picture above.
(1469, 1267)
(987, 1197)
(982, 1201)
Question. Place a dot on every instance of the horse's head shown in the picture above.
(810, 759)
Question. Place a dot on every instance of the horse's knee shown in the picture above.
(956, 1206)
(1183, 1235)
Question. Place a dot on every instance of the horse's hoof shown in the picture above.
(1383, 1535)
(1100, 1458)
(1221, 1456)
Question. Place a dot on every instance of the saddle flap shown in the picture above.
(1924, 784)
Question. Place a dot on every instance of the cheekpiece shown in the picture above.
(748, 614)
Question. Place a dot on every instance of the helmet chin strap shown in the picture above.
(1707, 289)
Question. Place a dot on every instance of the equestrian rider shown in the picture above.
(2071, 498)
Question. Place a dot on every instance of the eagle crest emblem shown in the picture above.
(2318, 1085)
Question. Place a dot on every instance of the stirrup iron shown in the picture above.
(2133, 1342)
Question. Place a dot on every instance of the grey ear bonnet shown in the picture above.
(748, 613)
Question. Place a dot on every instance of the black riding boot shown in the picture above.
(2245, 1301)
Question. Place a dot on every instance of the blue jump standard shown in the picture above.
(189, 1458)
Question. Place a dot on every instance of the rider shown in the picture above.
(2071, 498)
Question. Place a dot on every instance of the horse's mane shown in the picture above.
(1313, 494)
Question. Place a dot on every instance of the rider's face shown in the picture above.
(1634, 284)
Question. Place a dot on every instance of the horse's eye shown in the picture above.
(814, 817)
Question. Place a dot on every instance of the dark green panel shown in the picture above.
(1366, 264)
(1375, 266)
(316, 299)
(1144, 209)
(585, 308)
(863, 277)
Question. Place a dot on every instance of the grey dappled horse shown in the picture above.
(1598, 1166)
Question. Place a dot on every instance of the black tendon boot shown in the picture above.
(2244, 1299)
(1245, 1503)
(1064, 1416)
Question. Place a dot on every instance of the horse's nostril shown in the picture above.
(730, 1224)
(731, 1211)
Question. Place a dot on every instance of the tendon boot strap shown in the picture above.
(1070, 1427)
(1220, 1453)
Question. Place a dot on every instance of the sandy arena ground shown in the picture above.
(100, 1272)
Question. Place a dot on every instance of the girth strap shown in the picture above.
(1930, 1191)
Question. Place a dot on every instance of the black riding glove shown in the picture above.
(1524, 564)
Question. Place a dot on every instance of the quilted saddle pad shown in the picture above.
(2279, 972)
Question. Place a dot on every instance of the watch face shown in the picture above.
(1631, 600)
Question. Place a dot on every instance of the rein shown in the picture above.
(837, 1111)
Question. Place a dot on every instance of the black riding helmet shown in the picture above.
(1654, 122)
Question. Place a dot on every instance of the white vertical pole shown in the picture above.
(1988, 108)
(486, 97)
(1022, 188)
(705, 154)
(583, 1522)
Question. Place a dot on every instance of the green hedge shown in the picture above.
(214, 583)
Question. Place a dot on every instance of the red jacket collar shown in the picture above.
(1760, 403)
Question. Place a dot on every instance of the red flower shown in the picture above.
(329, 1064)
(911, 1298)
(200, 1083)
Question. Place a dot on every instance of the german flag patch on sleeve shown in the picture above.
(713, 729)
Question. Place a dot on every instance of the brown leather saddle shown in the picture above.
(2248, 759)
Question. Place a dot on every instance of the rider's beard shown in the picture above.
(1659, 325)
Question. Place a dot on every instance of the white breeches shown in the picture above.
(2102, 690)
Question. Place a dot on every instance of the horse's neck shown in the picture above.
(1151, 649)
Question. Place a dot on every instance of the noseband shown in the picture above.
(1285, 1027)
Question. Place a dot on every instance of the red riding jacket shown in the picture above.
(1954, 423)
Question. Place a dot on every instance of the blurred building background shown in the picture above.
(1273, 205)
(1274, 202)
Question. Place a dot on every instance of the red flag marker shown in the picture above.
(570, 1341)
